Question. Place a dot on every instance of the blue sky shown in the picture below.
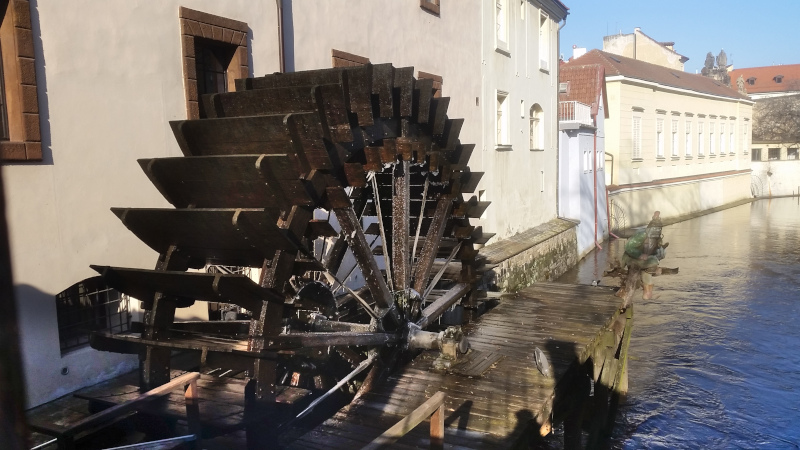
(753, 34)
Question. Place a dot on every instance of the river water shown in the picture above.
(715, 356)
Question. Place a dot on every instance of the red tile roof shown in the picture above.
(616, 65)
(587, 85)
(764, 78)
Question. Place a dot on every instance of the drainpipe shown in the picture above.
(281, 56)
(608, 196)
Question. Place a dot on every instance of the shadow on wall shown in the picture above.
(41, 83)
(48, 373)
(288, 35)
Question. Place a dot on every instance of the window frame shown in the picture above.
(535, 130)
(502, 125)
(432, 6)
(502, 11)
(712, 143)
(701, 142)
(659, 138)
(544, 42)
(636, 138)
(675, 149)
(687, 151)
(198, 24)
(24, 141)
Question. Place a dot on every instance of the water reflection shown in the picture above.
(714, 356)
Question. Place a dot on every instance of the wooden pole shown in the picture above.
(431, 407)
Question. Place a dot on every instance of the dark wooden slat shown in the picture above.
(234, 135)
(382, 85)
(232, 181)
(437, 308)
(404, 90)
(359, 90)
(141, 283)
(242, 237)
(263, 102)
(331, 100)
(423, 93)
(439, 114)
(452, 129)
(286, 79)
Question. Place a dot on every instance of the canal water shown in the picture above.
(715, 356)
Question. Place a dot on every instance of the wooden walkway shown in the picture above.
(496, 397)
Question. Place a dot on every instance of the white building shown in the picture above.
(583, 108)
(90, 87)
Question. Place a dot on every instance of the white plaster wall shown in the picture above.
(681, 199)
(777, 177)
(109, 79)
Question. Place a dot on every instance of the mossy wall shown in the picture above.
(545, 261)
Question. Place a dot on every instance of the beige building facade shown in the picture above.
(642, 47)
(675, 142)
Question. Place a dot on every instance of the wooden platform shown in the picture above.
(496, 397)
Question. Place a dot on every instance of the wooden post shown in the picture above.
(192, 398)
(433, 407)
(437, 428)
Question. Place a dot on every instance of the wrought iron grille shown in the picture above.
(88, 306)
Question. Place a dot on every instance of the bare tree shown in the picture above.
(777, 119)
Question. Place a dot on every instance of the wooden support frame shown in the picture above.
(95, 421)
(433, 408)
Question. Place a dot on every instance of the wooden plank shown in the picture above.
(243, 237)
(216, 287)
(425, 410)
(262, 102)
(401, 272)
(286, 79)
(117, 410)
(423, 93)
(404, 91)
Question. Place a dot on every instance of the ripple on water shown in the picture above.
(714, 360)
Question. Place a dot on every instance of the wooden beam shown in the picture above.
(122, 408)
(400, 429)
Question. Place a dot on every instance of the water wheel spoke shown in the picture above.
(437, 308)
(360, 247)
(432, 241)
(400, 232)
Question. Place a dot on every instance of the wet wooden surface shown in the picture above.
(496, 397)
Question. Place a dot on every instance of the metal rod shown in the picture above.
(421, 214)
(364, 304)
(353, 269)
(441, 271)
(364, 364)
(45, 444)
(376, 198)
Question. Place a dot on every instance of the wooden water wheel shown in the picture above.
(345, 187)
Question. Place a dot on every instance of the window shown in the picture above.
(751, 81)
(745, 139)
(536, 134)
(674, 138)
(344, 59)
(756, 155)
(791, 153)
(659, 138)
(774, 154)
(544, 41)
(688, 151)
(712, 144)
(20, 139)
(430, 5)
(722, 139)
(214, 55)
(778, 78)
(502, 24)
(90, 306)
(437, 82)
(502, 119)
(701, 143)
(636, 137)
(732, 148)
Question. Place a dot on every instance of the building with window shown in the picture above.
(650, 165)
(776, 127)
(583, 110)
(90, 88)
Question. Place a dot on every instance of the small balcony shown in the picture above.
(574, 115)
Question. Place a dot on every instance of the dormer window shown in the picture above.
(751, 81)
(778, 78)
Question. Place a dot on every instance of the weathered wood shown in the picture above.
(264, 102)
(241, 237)
(215, 287)
(437, 308)
(424, 411)
(433, 238)
(401, 272)
(404, 91)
